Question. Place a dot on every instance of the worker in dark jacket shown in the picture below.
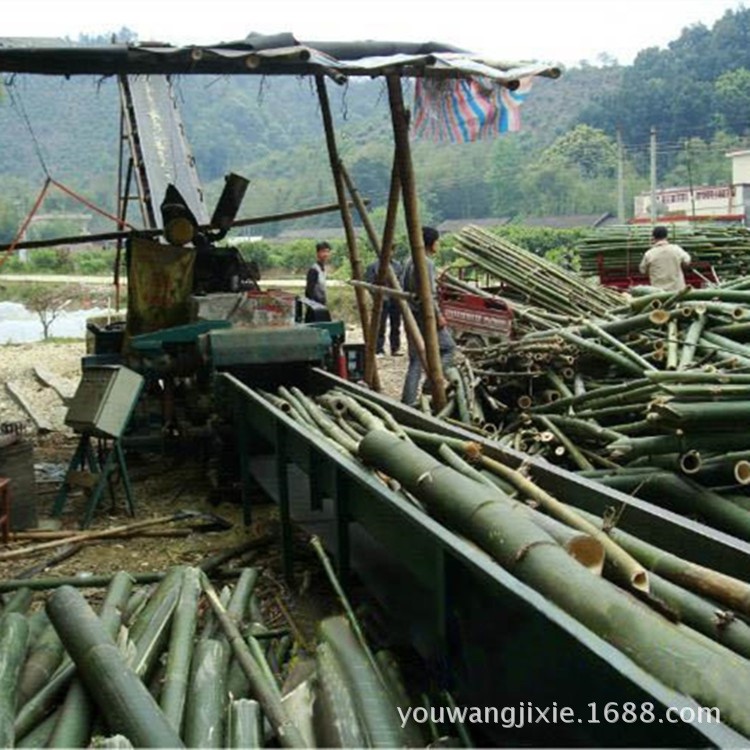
(447, 346)
(390, 312)
(315, 287)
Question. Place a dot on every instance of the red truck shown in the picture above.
(623, 277)
(474, 318)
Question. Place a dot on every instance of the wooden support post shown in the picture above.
(346, 217)
(385, 271)
(414, 228)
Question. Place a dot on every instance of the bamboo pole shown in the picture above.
(346, 217)
(382, 251)
(14, 638)
(289, 735)
(385, 271)
(675, 655)
(119, 693)
(120, 586)
(414, 228)
(182, 632)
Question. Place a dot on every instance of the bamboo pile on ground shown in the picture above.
(651, 399)
(581, 562)
(177, 663)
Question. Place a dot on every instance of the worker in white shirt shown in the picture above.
(664, 262)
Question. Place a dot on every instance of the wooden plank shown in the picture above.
(15, 392)
(63, 388)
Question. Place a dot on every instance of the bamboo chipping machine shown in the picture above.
(193, 312)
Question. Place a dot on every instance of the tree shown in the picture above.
(592, 152)
(48, 301)
(733, 99)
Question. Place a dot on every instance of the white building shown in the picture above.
(730, 202)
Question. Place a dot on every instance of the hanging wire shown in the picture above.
(17, 103)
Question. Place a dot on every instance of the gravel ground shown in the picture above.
(17, 363)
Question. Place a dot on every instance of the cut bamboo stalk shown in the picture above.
(207, 696)
(181, 636)
(672, 653)
(287, 732)
(119, 693)
(14, 638)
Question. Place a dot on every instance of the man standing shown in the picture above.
(315, 287)
(390, 311)
(410, 283)
(664, 262)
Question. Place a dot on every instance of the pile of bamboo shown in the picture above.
(531, 279)
(574, 559)
(620, 248)
(651, 400)
(179, 664)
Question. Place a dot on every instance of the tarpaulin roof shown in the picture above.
(278, 54)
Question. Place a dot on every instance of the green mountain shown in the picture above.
(696, 93)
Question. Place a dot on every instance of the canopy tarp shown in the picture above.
(278, 54)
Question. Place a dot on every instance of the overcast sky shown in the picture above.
(566, 31)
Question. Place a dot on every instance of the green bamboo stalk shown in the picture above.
(703, 615)
(182, 633)
(391, 671)
(150, 631)
(707, 392)
(19, 602)
(119, 693)
(245, 727)
(721, 415)
(626, 351)
(14, 638)
(685, 496)
(626, 364)
(578, 458)
(629, 448)
(335, 715)
(672, 653)
(74, 719)
(207, 695)
(44, 658)
(584, 428)
(37, 707)
(694, 332)
(341, 594)
(288, 734)
(628, 569)
(39, 735)
(378, 716)
(719, 587)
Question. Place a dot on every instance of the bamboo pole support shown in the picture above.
(346, 216)
(414, 228)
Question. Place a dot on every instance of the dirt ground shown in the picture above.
(161, 487)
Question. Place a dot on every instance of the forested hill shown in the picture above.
(270, 130)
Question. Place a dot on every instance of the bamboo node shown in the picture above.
(724, 618)
(523, 551)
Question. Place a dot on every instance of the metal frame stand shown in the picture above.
(99, 476)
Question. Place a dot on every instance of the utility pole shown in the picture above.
(653, 175)
(620, 179)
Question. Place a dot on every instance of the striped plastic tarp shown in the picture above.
(466, 109)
